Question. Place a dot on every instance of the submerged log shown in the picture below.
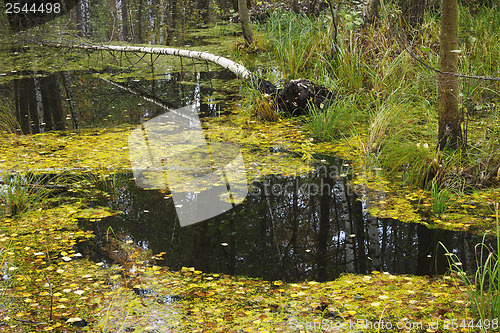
(294, 99)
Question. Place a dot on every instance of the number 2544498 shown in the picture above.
(32, 8)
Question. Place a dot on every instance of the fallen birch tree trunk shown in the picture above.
(294, 99)
(234, 67)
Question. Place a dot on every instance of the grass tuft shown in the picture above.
(333, 120)
(21, 192)
(483, 288)
(300, 43)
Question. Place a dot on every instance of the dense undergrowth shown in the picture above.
(386, 118)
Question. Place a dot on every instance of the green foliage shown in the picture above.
(333, 120)
(351, 18)
(483, 287)
(441, 198)
(300, 43)
(479, 33)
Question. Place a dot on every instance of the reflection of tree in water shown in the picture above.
(72, 100)
(38, 103)
(288, 229)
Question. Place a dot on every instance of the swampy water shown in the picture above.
(73, 100)
(306, 227)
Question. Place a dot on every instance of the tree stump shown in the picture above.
(297, 96)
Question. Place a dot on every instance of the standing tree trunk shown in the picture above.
(125, 23)
(449, 130)
(83, 17)
(295, 6)
(245, 21)
(139, 22)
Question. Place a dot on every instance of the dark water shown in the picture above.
(72, 100)
(289, 228)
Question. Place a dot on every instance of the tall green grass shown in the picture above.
(441, 198)
(334, 119)
(483, 288)
(8, 122)
(300, 44)
(258, 105)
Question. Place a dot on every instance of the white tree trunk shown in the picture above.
(119, 18)
(83, 17)
(237, 69)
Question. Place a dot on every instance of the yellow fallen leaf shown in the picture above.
(74, 319)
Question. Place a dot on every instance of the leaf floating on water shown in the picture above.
(73, 320)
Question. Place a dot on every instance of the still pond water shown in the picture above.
(290, 228)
